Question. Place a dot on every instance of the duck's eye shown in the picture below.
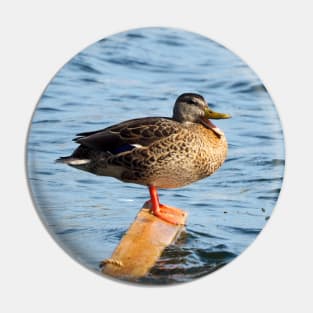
(190, 101)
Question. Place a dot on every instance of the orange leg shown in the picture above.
(166, 213)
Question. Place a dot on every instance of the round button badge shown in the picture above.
(155, 156)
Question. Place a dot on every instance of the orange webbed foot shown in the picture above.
(166, 213)
(171, 210)
(171, 214)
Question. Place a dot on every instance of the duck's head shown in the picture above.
(191, 107)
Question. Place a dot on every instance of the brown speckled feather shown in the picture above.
(156, 151)
(171, 155)
(142, 131)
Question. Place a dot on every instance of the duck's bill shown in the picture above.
(209, 114)
(215, 115)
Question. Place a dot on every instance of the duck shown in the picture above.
(157, 152)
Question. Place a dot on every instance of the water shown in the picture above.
(141, 73)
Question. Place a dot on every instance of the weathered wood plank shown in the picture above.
(141, 246)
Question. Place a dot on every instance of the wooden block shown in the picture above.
(141, 246)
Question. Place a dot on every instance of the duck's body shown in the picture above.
(157, 152)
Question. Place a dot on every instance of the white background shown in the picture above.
(274, 38)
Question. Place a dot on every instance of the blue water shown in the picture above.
(141, 73)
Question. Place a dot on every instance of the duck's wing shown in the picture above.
(128, 135)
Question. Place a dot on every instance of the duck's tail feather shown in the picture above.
(72, 161)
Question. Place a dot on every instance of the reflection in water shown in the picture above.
(136, 74)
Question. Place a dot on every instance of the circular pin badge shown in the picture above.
(155, 156)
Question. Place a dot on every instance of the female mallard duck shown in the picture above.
(157, 152)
